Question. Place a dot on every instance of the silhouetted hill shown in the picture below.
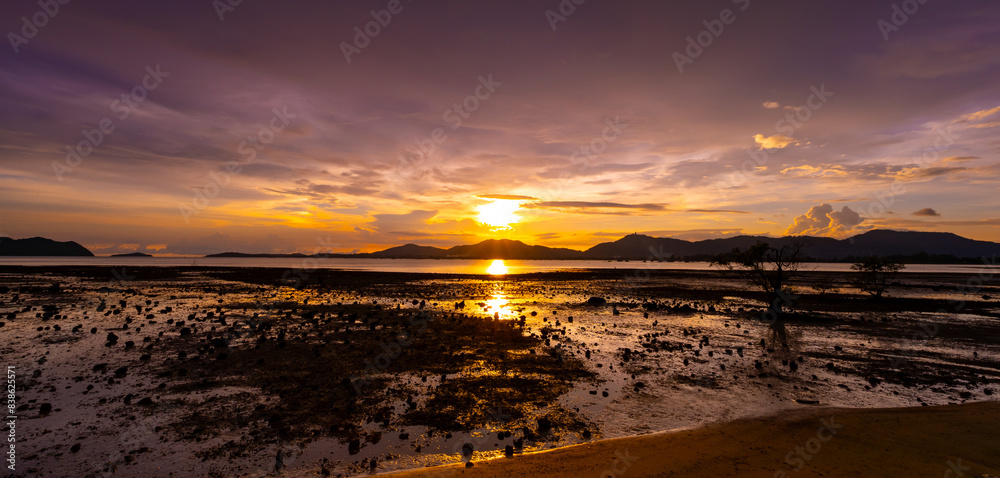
(508, 249)
(411, 251)
(638, 246)
(906, 245)
(40, 246)
(132, 254)
(879, 242)
(490, 249)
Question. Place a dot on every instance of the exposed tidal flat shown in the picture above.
(219, 371)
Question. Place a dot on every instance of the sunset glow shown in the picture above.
(499, 214)
(346, 238)
(257, 134)
(497, 268)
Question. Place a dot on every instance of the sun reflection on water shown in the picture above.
(497, 268)
(497, 304)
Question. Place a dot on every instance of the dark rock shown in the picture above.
(544, 425)
(597, 301)
(220, 342)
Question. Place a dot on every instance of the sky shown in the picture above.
(196, 127)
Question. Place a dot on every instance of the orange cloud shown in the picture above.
(823, 220)
(773, 142)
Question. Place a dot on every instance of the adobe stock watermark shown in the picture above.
(642, 274)
(93, 138)
(295, 277)
(11, 419)
(31, 26)
(786, 126)
(562, 13)
(973, 285)
(248, 148)
(586, 155)
(802, 454)
(622, 462)
(886, 198)
(222, 7)
(134, 437)
(456, 117)
(364, 36)
(900, 15)
(714, 28)
(391, 350)
(957, 469)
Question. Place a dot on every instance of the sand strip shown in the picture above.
(948, 441)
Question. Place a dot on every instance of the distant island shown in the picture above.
(908, 246)
(40, 246)
(132, 254)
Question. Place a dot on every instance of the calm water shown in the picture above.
(450, 266)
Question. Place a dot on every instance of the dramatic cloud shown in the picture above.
(412, 223)
(587, 207)
(821, 171)
(513, 197)
(773, 142)
(979, 115)
(575, 125)
(823, 220)
(926, 212)
(718, 211)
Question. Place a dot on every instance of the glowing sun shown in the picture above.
(499, 213)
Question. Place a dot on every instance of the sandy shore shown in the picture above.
(949, 441)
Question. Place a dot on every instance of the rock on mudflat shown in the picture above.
(597, 301)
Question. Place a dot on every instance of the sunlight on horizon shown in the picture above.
(497, 268)
(499, 214)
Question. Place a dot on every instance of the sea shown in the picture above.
(436, 266)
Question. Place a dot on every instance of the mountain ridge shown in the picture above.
(925, 246)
